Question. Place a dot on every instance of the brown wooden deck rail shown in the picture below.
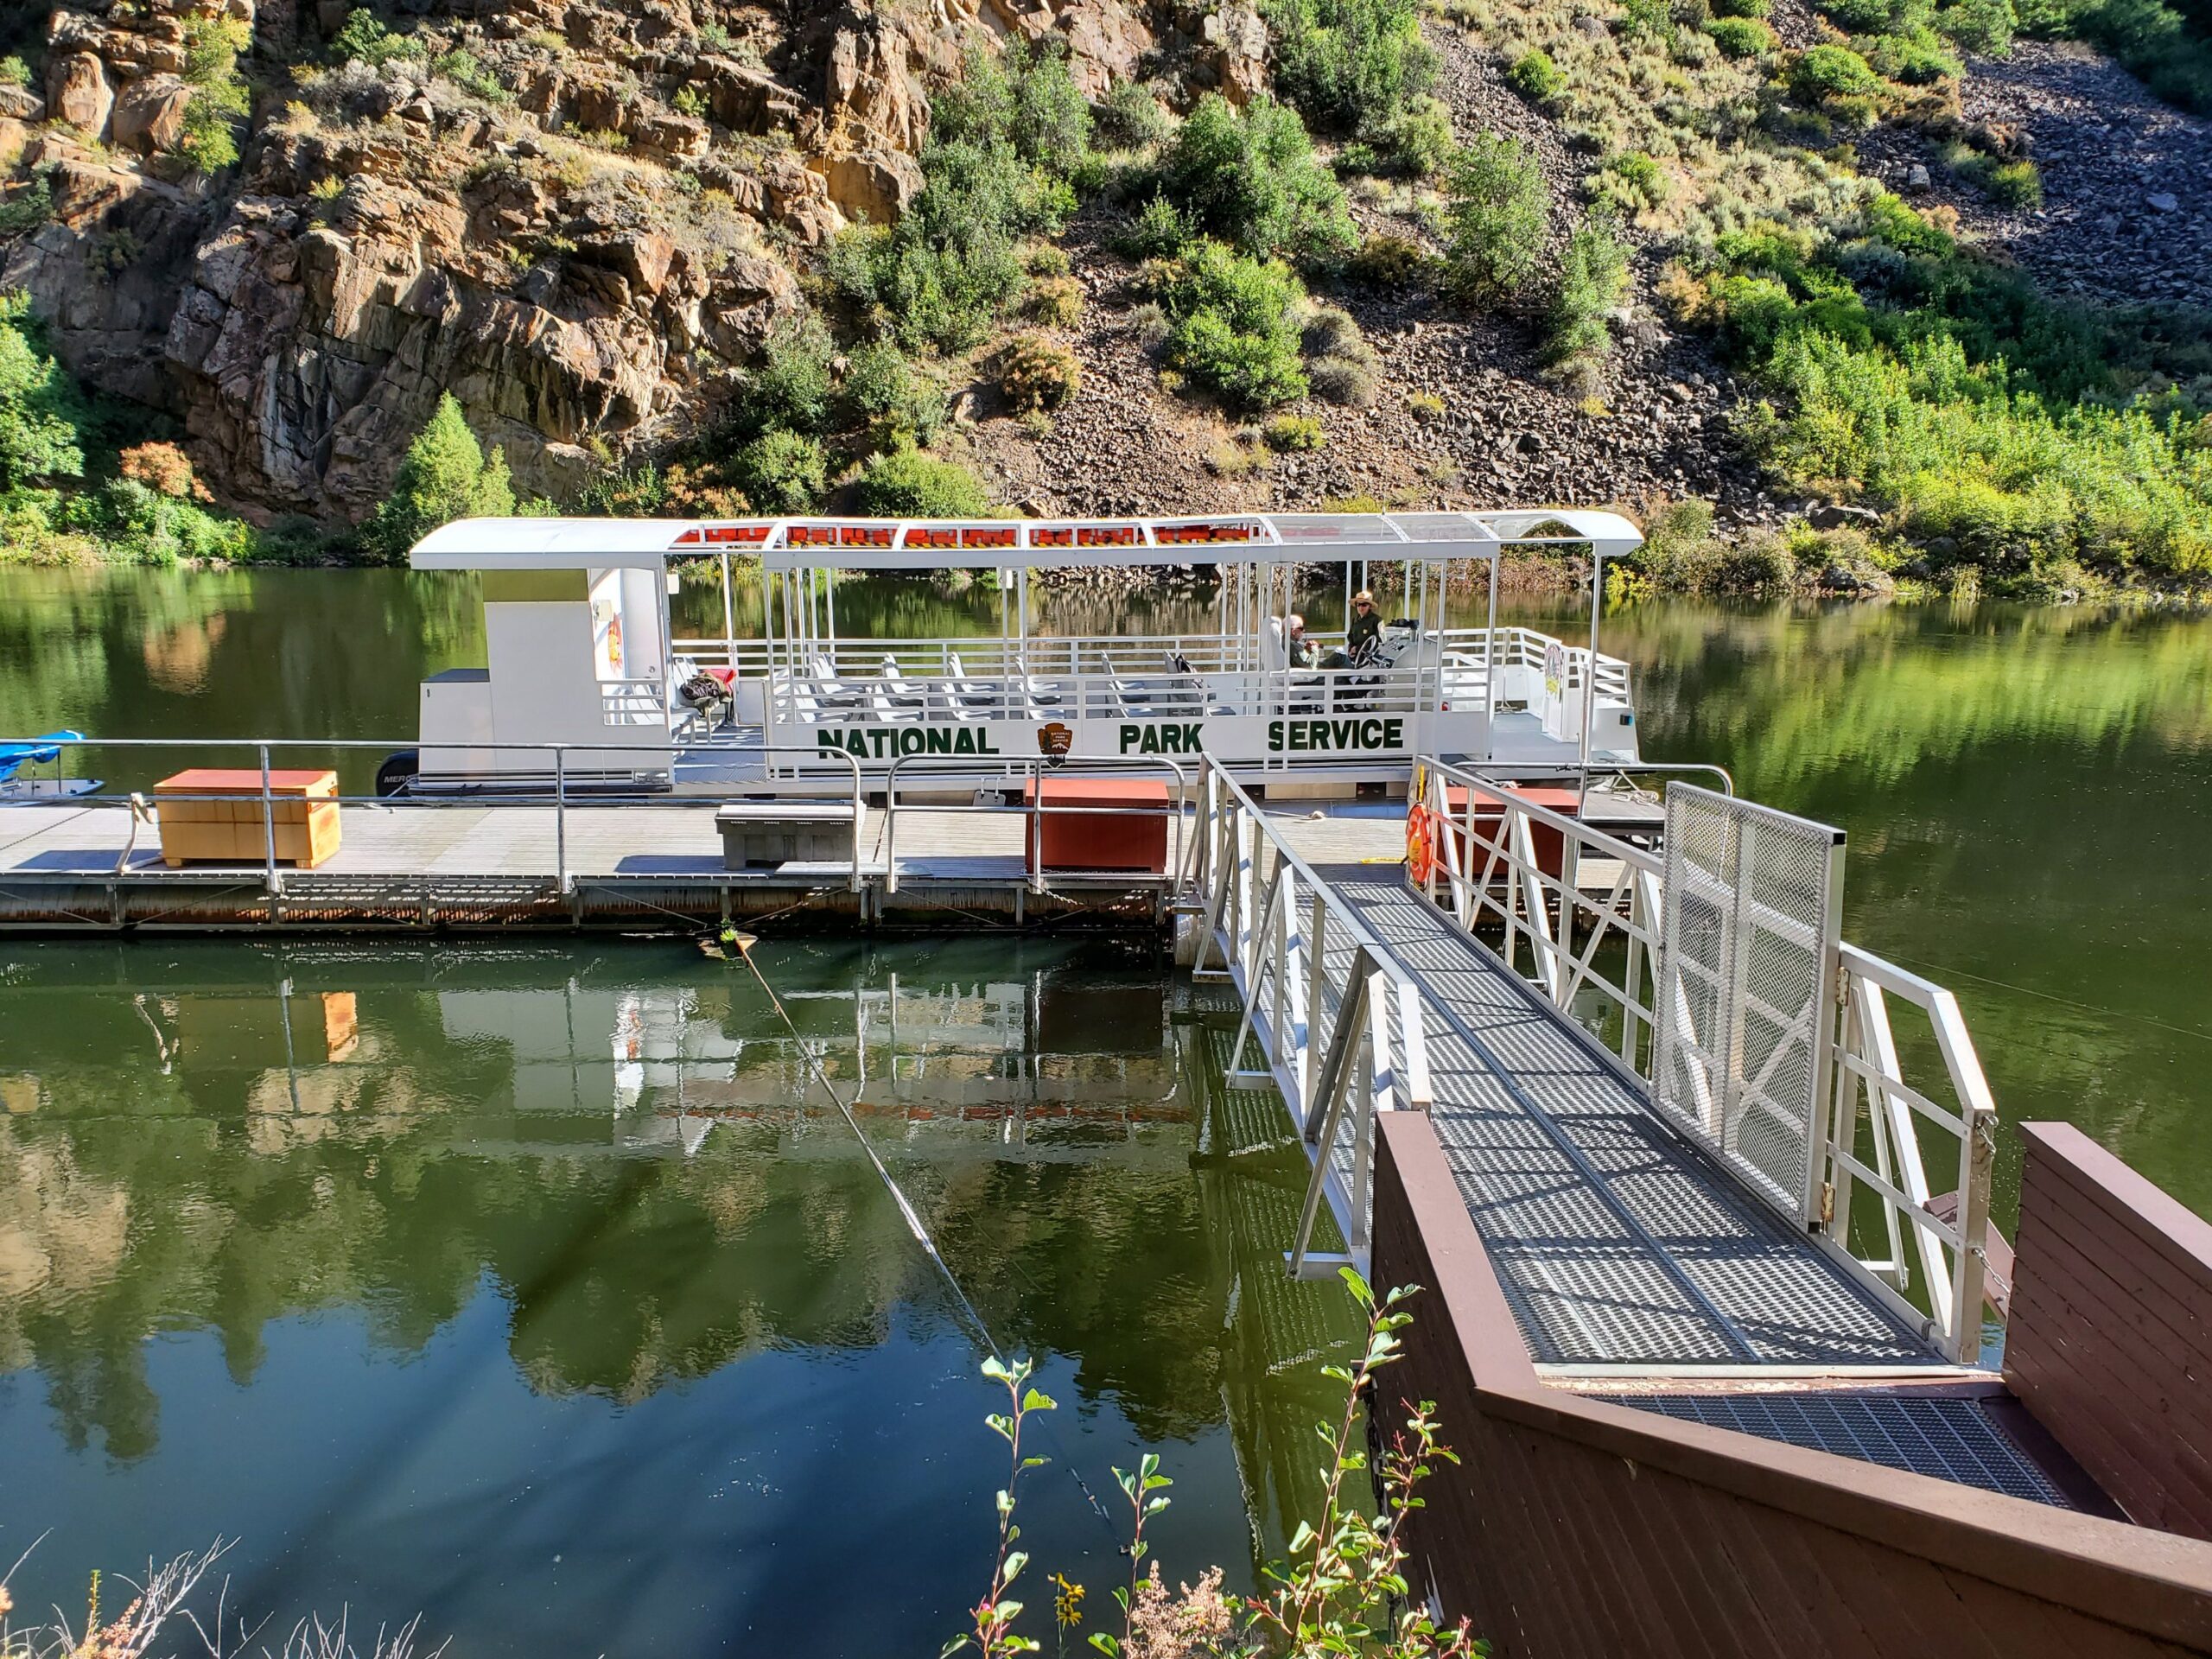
(2110, 1340)
(1573, 1527)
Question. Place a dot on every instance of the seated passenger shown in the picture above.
(1302, 650)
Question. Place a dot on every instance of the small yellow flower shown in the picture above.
(1067, 1602)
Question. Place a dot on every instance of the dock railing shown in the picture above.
(1343, 1023)
(1582, 916)
(576, 776)
(1026, 773)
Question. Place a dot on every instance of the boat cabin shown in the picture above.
(580, 653)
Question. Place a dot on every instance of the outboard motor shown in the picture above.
(397, 775)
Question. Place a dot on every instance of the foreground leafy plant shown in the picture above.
(1343, 1592)
(994, 1632)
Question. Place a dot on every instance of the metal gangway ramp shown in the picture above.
(1619, 1243)
(1648, 1228)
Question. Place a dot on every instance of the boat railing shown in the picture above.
(1034, 806)
(1583, 917)
(990, 654)
(1345, 1024)
(572, 776)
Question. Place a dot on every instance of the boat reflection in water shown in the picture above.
(536, 1290)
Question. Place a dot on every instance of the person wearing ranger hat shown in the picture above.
(1363, 626)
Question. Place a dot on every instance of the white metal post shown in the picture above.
(561, 818)
(269, 826)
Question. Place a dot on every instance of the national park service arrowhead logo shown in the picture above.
(1054, 739)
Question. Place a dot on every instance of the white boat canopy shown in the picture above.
(936, 544)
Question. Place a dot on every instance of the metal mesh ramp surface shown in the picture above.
(1954, 1440)
(1626, 1244)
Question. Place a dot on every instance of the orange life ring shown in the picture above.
(1420, 851)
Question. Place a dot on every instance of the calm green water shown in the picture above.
(466, 1318)
(522, 1288)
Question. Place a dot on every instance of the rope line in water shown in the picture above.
(2063, 1001)
(890, 1185)
(906, 1208)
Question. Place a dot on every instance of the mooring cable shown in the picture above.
(744, 943)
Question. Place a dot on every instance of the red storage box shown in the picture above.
(1550, 844)
(1096, 840)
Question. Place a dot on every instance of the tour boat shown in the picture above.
(582, 661)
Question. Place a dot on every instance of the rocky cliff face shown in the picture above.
(575, 216)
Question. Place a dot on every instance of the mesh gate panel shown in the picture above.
(1751, 908)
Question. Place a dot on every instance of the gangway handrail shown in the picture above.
(1863, 1129)
(1267, 950)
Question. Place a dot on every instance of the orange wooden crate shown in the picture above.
(1099, 840)
(224, 820)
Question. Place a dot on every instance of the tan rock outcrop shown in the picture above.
(76, 92)
(402, 236)
(148, 114)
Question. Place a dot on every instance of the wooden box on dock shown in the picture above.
(1095, 837)
(215, 812)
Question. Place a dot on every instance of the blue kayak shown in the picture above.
(44, 747)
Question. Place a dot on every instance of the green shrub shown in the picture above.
(1419, 137)
(148, 526)
(1984, 26)
(1231, 328)
(1022, 97)
(1038, 376)
(444, 475)
(1536, 78)
(29, 207)
(1249, 177)
(41, 412)
(782, 471)
(1056, 301)
(1915, 57)
(995, 171)
(1340, 365)
(1741, 37)
(1158, 232)
(1348, 381)
(1350, 67)
(1294, 432)
(1387, 259)
(1593, 276)
(1132, 118)
(14, 72)
(907, 484)
(207, 136)
(1497, 209)
(896, 401)
(365, 40)
(791, 387)
(463, 70)
(1758, 9)
(2013, 184)
(1633, 181)
(1824, 72)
